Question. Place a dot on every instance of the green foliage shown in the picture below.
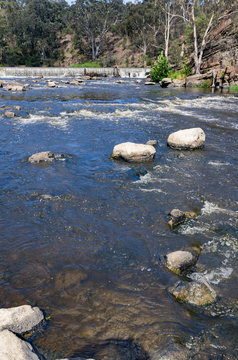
(160, 69)
(234, 88)
(206, 84)
(186, 69)
(87, 64)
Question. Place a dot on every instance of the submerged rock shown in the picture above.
(20, 319)
(133, 152)
(13, 348)
(152, 142)
(181, 260)
(177, 217)
(198, 293)
(193, 138)
(44, 156)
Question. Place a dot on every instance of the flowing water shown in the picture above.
(85, 237)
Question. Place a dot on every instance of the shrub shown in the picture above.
(160, 69)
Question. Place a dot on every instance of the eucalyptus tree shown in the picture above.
(93, 19)
(35, 27)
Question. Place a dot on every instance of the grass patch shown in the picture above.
(206, 84)
(87, 64)
(233, 88)
(177, 75)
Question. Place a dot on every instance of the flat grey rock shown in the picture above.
(13, 348)
(20, 319)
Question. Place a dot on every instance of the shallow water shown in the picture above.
(84, 238)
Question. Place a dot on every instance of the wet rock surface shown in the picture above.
(133, 152)
(198, 293)
(177, 217)
(189, 139)
(180, 261)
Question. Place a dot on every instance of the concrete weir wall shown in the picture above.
(73, 72)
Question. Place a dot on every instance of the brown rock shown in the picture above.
(198, 293)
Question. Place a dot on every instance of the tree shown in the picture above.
(190, 14)
(35, 26)
(93, 20)
(160, 69)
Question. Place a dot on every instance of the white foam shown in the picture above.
(210, 208)
(153, 190)
(213, 276)
(191, 230)
(145, 179)
(218, 163)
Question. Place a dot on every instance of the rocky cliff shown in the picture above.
(221, 52)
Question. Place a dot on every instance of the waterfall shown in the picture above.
(73, 72)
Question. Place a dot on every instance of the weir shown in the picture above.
(73, 72)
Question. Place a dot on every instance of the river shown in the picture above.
(85, 237)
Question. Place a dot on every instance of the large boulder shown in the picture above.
(20, 319)
(181, 260)
(13, 348)
(166, 82)
(198, 79)
(188, 139)
(198, 293)
(133, 152)
(44, 156)
(177, 217)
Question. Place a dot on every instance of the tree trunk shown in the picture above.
(195, 39)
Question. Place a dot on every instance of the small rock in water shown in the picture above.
(181, 260)
(20, 319)
(152, 142)
(15, 87)
(188, 139)
(52, 84)
(177, 217)
(17, 108)
(198, 293)
(44, 156)
(9, 114)
(150, 83)
(13, 348)
(133, 152)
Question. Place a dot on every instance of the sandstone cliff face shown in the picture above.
(221, 52)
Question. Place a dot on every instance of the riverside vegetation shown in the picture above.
(50, 33)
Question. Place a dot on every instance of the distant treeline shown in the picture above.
(32, 31)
